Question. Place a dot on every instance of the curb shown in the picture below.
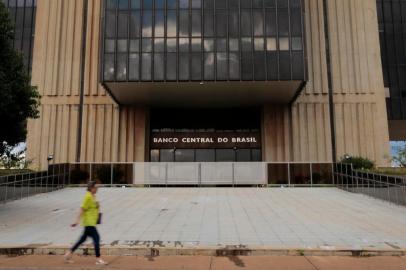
(200, 251)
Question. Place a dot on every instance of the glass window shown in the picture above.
(159, 4)
(158, 66)
(154, 155)
(205, 155)
(246, 23)
(147, 24)
(196, 23)
(221, 45)
(196, 3)
(296, 43)
(208, 45)
(258, 23)
(209, 66)
(135, 25)
(222, 66)
(270, 23)
(184, 23)
(171, 4)
(259, 66)
(225, 155)
(196, 44)
(110, 45)
(234, 45)
(184, 155)
(271, 44)
(183, 44)
(208, 23)
(209, 4)
(159, 45)
(284, 44)
(133, 66)
(121, 74)
(110, 4)
(221, 23)
(122, 28)
(110, 24)
(147, 45)
(184, 66)
(246, 44)
(122, 45)
(233, 3)
(167, 155)
(258, 44)
(183, 3)
(135, 4)
(146, 67)
(233, 23)
(171, 23)
(147, 4)
(245, 3)
(171, 65)
(256, 155)
(234, 60)
(123, 4)
(134, 45)
(243, 155)
(159, 23)
(221, 3)
(196, 66)
(246, 66)
(283, 22)
(109, 67)
(171, 45)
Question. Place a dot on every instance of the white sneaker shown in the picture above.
(101, 262)
(68, 259)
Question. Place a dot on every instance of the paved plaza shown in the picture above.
(326, 218)
(207, 263)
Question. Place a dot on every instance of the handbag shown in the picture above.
(99, 218)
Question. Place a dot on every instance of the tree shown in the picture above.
(400, 158)
(18, 99)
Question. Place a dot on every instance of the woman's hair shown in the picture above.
(91, 185)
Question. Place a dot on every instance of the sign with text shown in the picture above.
(205, 140)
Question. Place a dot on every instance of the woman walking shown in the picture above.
(89, 217)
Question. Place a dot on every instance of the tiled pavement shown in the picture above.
(282, 218)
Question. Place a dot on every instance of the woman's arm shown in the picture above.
(78, 218)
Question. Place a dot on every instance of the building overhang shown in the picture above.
(204, 94)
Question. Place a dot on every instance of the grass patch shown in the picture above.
(389, 171)
(4, 172)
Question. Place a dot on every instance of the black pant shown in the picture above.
(91, 232)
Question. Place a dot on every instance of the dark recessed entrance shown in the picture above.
(205, 135)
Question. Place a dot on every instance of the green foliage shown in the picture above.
(18, 99)
(13, 159)
(77, 176)
(103, 173)
(358, 163)
(400, 158)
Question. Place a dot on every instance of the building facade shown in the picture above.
(208, 80)
(392, 31)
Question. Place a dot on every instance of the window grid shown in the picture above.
(262, 52)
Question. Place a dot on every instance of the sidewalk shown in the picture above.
(208, 263)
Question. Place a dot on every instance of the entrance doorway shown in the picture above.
(205, 135)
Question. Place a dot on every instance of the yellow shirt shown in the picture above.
(90, 210)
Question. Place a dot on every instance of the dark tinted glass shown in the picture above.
(204, 40)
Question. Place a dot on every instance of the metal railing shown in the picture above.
(204, 173)
(19, 186)
(386, 187)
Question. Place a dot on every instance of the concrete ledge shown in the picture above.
(200, 251)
